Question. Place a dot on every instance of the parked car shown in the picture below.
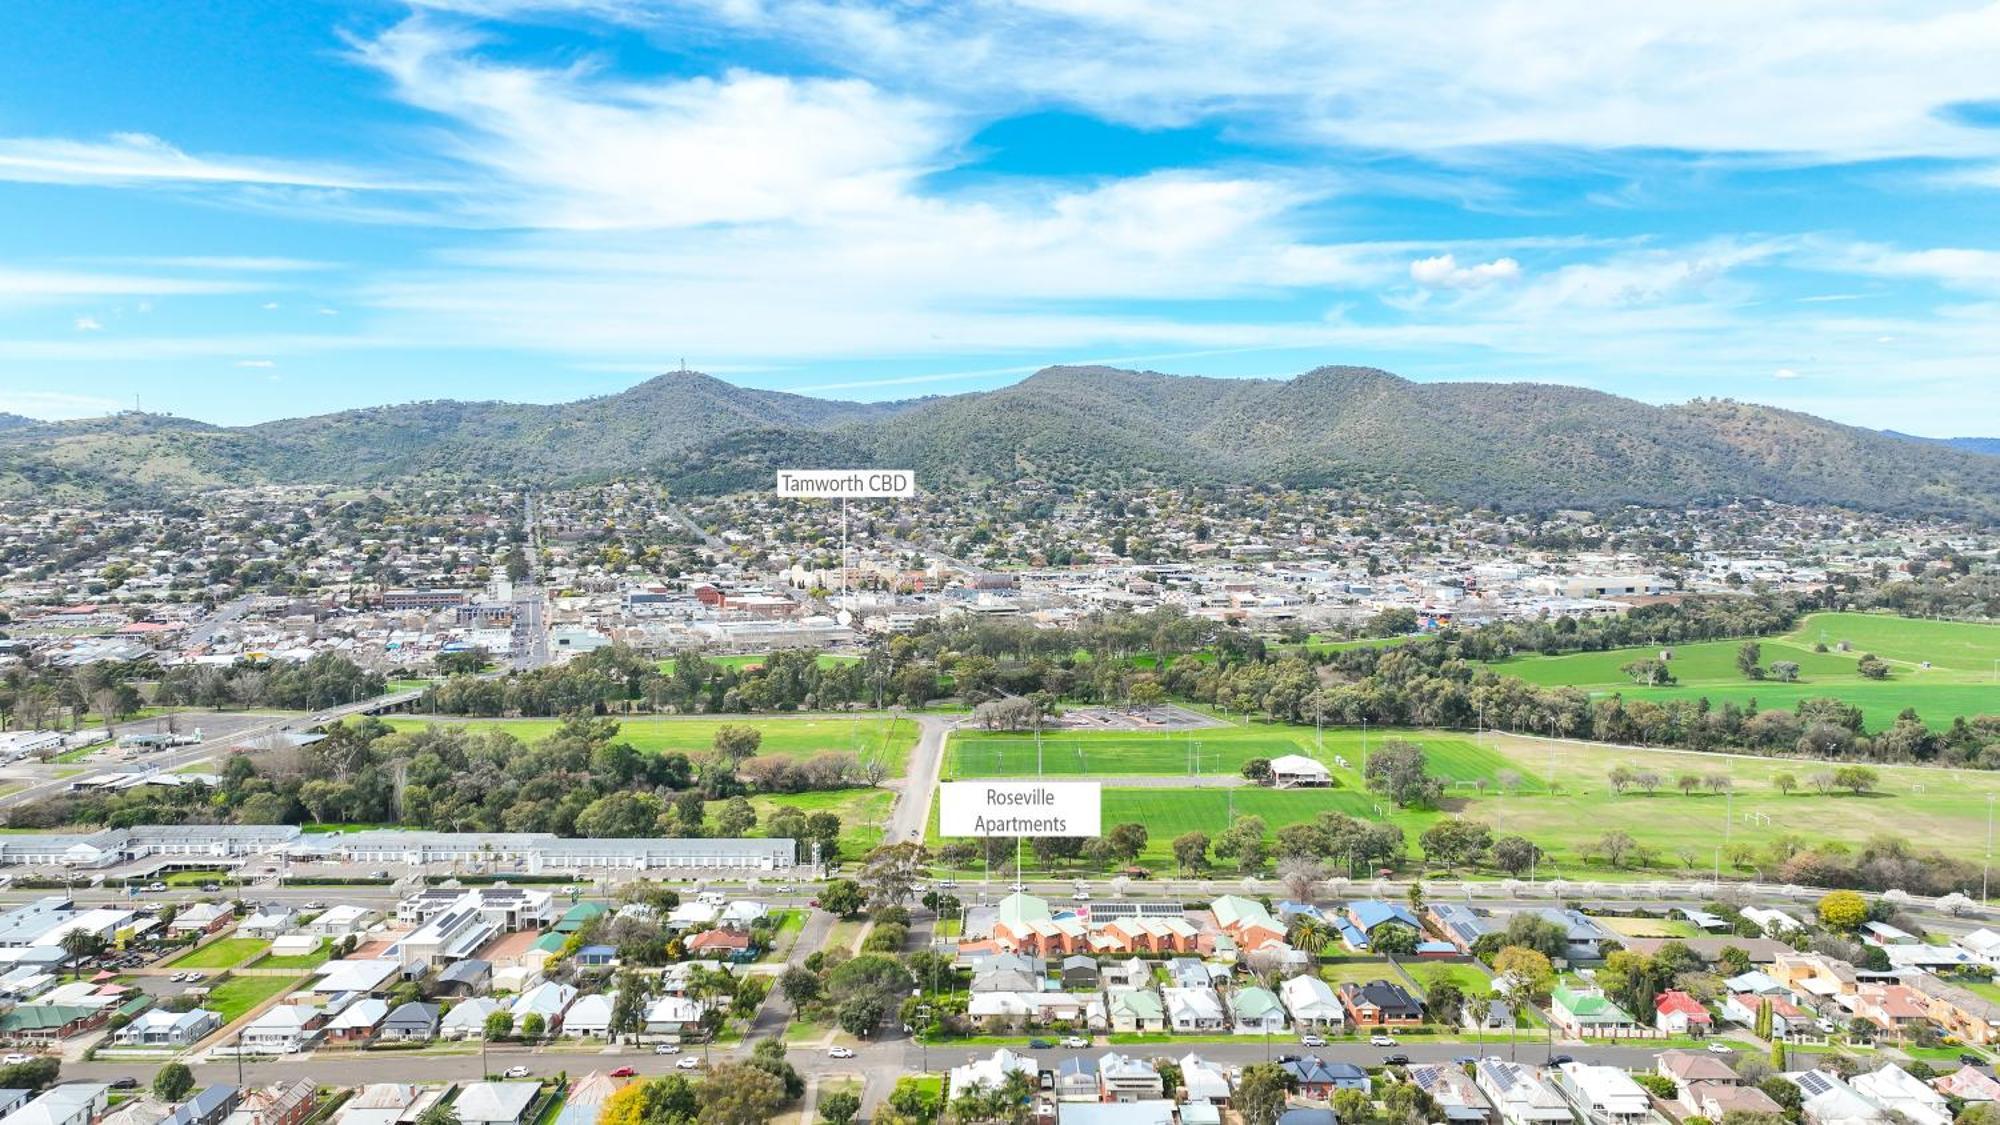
(1970, 1059)
(16, 1060)
(1312, 1040)
(1558, 1060)
(315, 905)
(1075, 1042)
(692, 1062)
(1397, 1059)
(211, 888)
(666, 1048)
(1017, 887)
(156, 888)
(1041, 1044)
(516, 1072)
(126, 1083)
(1379, 1040)
(196, 978)
(840, 1052)
(1080, 896)
(624, 1072)
(1720, 1048)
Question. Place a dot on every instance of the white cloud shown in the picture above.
(55, 405)
(28, 286)
(1784, 373)
(136, 158)
(255, 363)
(1444, 271)
(89, 324)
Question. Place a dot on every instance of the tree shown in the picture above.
(739, 1094)
(736, 742)
(533, 1025)
(839, 1107)
(1515, 854)
(439, 1114)
(1785, 671)
(736, 819)
(1784, 783)
(1191, 852)
(769, 1056)
(1243, 841)
(1856, 779)
(1688, 783)
(1615, 846)
(1258, 770)
(1398, 771)
(801, 987)
(1454, 841)
(1260, 1094)
(1528, 968)
(1444, 1000)
(1393, 939)
(1620, 778)
(1872, 667)
(1748, 656)
(173, 1082)
(37, 1074)
(842, 897)
(499, 1025)
(1843, 910)
(1650, 672)
(891, 873)
(1127, 841)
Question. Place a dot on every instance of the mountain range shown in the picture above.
(1511, 445)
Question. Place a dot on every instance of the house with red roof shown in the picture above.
(1677, 1013)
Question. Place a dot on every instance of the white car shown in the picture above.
(16, 1060)
(690, 1063)
(1720, 1048)
(1017, 887)
(666, 1048)
(1075, 1042)
(1080, 896)
(517, 1072)
(840, 1052)
(1381, 1041)
(1312, 1040)
(156, 888)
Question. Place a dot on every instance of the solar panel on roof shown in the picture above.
(1814, 1083)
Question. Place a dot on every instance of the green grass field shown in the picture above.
(1938, 808)
(1960, 681)
(824, 660)
(862, 813)
(302, 961)
(226, 953)
(887, 739)
(1219, 751)
(237, 995)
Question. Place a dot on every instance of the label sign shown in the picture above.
(856, 484)
(1021, 808)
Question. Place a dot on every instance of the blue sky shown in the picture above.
(241, 211)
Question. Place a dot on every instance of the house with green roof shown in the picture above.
(1587, 1011)
(1256, 1011)
(576, 916)
(49, 1023)
(1135, 1009)
(1025, 924)
(1246, 922)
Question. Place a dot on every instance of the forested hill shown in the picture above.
(1514, 445)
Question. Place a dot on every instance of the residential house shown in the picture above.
(1192, 1010)
(210, 1105)
(548, 1000)
(1193, 972)
(286, 1103)
(467, 1019)
(1006, 977)
(283, 1029)
(388, 1103)
(1144, 933)
(989, 1073)
(590, 1015)
(1456, 1094)
(1317, 1078)
(1900, 1092)
(600, 956)
(1895, 1008)
(1686, 1068)
(587, 1095)
(1026, 925)
(412, 1022)
(157, 1027)
(1587, 1011)
(495, 1103)
(1491, 1014)
(1135, 1010)
(1246, 922)
(1756, 982)
(1312, 1003)
(73, 1103)
(1462, 926)
(1079, 973)
(1605, 1095)
(1826, 1100)
(1519, 1094)
(1968, 1084)
(1203, 1081)
(356, 1023)
(1153, 1111)
(1814, 979)
(1775, 923)
(1960, 1011)
(337, 922)
(1256, 1011)
(1076, 1080)
(674, 1015)
(1124, 1078)
(45, 1023)
(200, 918)
(1364, 916)
(268, 922)
(1677, 1013)
(722, 945)
(1788, 1020)
(1380, 1003)
(1584, 937)
(1129, 973)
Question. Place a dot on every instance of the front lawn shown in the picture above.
(237, 995)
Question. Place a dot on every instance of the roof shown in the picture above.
(1235, 911)
(44, 1017)
(495, 1101)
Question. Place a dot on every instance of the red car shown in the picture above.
(624, 1072)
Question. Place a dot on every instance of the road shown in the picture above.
(913, 804)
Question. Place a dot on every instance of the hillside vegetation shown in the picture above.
(1511, 445)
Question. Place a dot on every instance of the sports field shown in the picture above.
(1961, 678)
(873, 738)
(1216, 751)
